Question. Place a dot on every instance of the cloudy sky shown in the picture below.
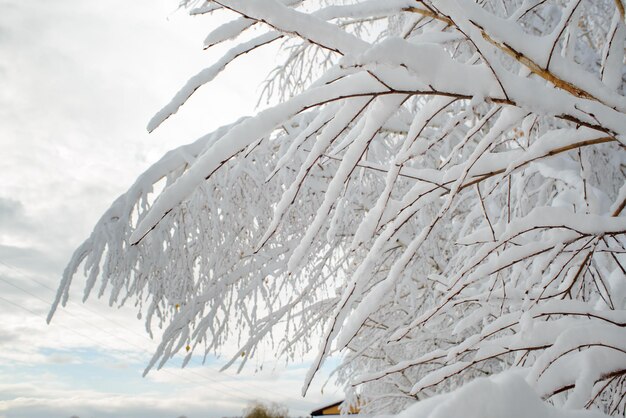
(79, 79)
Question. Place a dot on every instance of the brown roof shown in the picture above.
(333, 409)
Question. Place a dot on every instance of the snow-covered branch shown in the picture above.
(438, 195)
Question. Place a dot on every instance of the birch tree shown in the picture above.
(437, 195)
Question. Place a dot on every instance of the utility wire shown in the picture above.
(141, 349)
(101, 344)
(193, 360)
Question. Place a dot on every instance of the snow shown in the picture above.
(236, 140)
(504, 395)
(291, 21)
(206, 76)
(382, 109)
(335, 126)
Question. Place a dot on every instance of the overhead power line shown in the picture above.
(252, 389)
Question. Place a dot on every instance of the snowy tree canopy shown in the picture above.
(438, 195)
